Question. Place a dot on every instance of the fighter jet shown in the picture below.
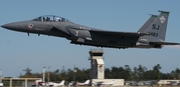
(150, 35)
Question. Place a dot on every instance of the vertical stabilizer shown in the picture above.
(62, 82)
(87, 82)
(157, 28)
(148, 22)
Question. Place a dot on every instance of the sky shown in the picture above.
(19, 51)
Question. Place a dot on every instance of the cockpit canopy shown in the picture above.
(50, 18)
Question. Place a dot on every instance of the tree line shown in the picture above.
(129, 74)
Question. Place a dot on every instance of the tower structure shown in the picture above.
(97, 64)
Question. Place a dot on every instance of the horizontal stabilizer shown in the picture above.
(164, 43)
(119, 33)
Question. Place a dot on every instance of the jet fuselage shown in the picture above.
(151, 35)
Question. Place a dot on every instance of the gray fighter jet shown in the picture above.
(150, 35)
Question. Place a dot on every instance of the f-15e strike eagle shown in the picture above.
(150, 35)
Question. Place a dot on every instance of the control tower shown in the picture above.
(97, 64)
(97, 71)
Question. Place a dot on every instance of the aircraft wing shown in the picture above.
(164, 43)
(119, 33)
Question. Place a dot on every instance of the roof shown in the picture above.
(21, 78)
(100, 61)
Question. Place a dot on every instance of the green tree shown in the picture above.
(108, 74)
(135, 74)
(127, 73)
(156, 71)
(141, 70)
(27, 74)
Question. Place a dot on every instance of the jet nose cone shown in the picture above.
(4, 26)
(8, 26)
(12, 26)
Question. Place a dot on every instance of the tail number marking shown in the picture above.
(154, 26)
(153, 34)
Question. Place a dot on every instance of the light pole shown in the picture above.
(74, 72)
(48, 73)
(0, 76)
(43, 74)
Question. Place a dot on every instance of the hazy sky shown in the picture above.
(19, 51)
